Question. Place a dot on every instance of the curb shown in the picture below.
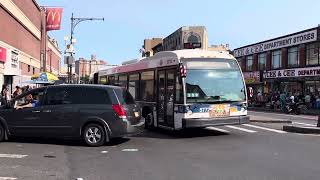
(302, 129)
(279, 112)
(271, 121)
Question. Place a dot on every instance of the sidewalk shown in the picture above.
(308, 112)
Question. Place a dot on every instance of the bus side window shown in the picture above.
(111, 80)
(147, 86)
(123, 81)
(134, 85)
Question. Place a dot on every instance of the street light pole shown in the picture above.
(74, 22)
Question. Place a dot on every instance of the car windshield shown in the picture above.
(214, 85)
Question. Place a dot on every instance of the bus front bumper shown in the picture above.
(193, 123)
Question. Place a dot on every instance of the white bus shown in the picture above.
(184, 88)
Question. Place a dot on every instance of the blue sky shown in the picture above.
(128, 22)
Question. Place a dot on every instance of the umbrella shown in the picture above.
(44, 77)
(37, 81)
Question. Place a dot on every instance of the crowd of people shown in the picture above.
(6, 96)
(278, 100)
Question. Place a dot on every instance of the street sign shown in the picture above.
(68, 60)
(70, 49)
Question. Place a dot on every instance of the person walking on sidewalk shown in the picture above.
(283, 101)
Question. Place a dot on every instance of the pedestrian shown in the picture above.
(282, 101)
(17, 92)
(307, 100)
(5, 95)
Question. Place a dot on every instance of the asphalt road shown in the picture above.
(258, 151)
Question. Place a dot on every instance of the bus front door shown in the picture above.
(166, 83)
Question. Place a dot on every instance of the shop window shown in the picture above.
(276, 59)
(147, 85)
(249, 63)
(293, 57)
(313, 54)
(134, 85)
(262, 58)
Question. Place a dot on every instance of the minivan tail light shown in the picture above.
(118, 108)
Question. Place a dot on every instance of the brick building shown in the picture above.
(24, 42)
(85, 67)
(289, 63)
(186, 37)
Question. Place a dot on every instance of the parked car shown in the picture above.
(95, 113)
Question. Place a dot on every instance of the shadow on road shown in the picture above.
(62, 142)
(186, 133)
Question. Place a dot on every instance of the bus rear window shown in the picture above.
(124, 96)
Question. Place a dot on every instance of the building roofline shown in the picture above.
(314, 28)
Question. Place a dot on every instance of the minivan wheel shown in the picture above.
(149, 121)
(1, 133)
(94, 135)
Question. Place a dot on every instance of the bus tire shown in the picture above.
(149, 121)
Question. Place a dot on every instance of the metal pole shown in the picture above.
(318, 125)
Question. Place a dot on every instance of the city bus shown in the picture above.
(184, 88)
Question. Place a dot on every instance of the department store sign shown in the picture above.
(298, 72)
(296, 39)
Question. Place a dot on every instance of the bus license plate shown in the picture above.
(219, 110)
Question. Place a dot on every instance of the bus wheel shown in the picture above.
(149, 121)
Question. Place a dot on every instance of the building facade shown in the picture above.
(83, 67)
(186, 37)
(149, 44)
(23, 42)
(289, 63)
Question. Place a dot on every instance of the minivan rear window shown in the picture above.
(124, 96)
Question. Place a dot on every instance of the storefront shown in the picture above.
(297, 80)
(289, 63)
(253, 80)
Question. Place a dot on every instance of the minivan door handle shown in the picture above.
(46, 111)
(36, 111)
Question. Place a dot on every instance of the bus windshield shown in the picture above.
(214, 86)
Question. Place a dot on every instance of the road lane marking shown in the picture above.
(104, 152)
(303, 124)
(264, 128)
(7, 178)
(19, 156)
(129, 150)
(241, 129)
(218, 129)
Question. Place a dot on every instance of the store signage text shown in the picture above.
(300, 38)
(299, 72)
(252, 77)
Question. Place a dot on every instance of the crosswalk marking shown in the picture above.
(7, 178)
(304, 124)
(241, 129)
(217, 129)
(264, 128)
(19, 156)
